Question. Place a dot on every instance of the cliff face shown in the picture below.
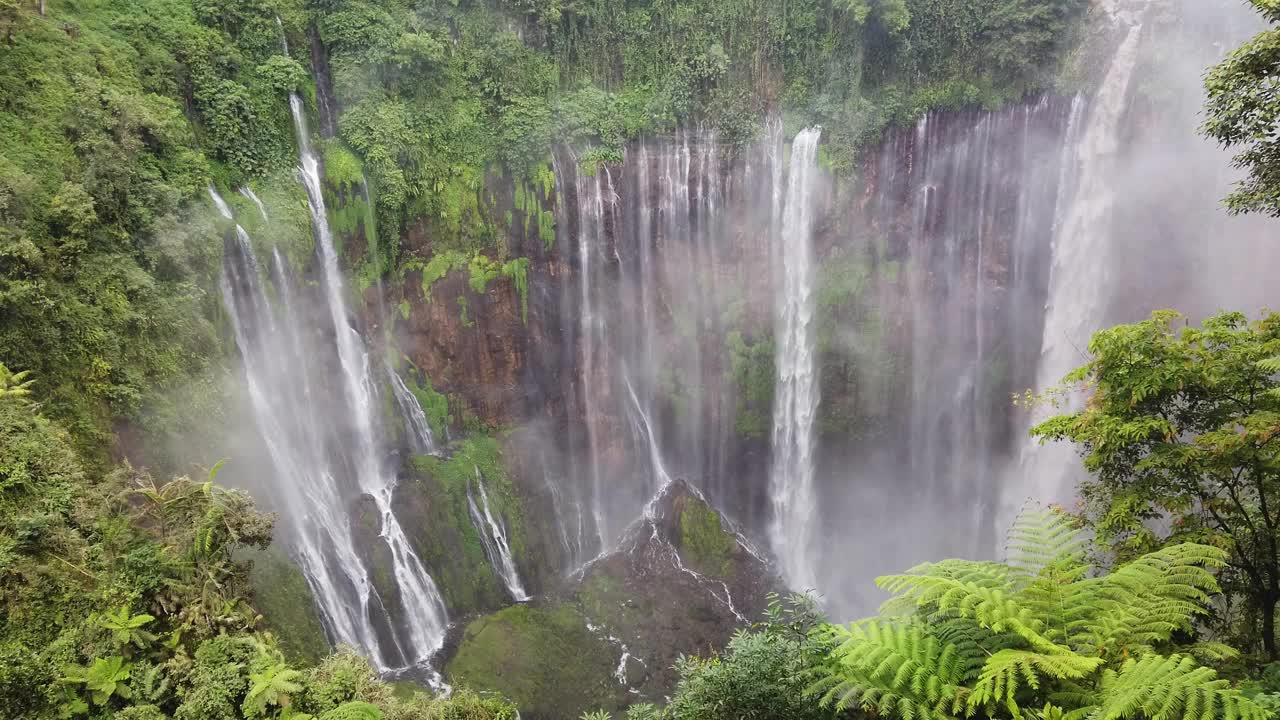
(634, 343)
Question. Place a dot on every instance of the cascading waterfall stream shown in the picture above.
(249, 193)
(425, 617)
(1080, 277)
(493, 535)
(792, 493)
(421, 440)
(275, 365)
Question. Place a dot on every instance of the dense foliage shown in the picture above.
(1040, 635)
(1181, 427)
(435, 96)
(116, 117)
(1242, 113)
(124, 597)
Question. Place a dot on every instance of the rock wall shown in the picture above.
(646, 353)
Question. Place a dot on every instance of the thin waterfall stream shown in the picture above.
(792, 492)
(493, 535)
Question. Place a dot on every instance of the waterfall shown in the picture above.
(425, 617)
(421, 440)
(223, 209)
(276, 366)
(1080, 280)
(643, 241)
(493, 535)
(284, 39)
(795, 511)
(249, 193)
(592, 202)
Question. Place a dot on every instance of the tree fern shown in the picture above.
(900, 668)
(353, 711)
(1163, 688)
(1041, 539)
(1007, 671)
(983, 592)
(1034, 636)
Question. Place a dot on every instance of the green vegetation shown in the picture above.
(760, 674)
(438, 97)
(1181, 426)
(441, 528)
(123, 597)
(282, 596)
(704, 543)
(753, 373)
(481, 270)
(1039, 634)
(527, 653)
(1242, 111)
(435, 405)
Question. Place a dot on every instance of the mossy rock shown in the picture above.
(704, 543)
(681, 583)
(546, 660)
(283, 597)
(432, 507)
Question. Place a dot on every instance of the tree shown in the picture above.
(761, 674)
(1243, 110)
(1038, 635)
(1185, 425)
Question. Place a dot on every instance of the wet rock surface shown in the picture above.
(681, 581)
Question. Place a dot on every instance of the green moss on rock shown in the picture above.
(440, 526)
(704, 543)
(282, 596)
(752, 369)
(546, 660)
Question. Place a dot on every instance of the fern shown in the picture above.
(983, 592)
(1171, 687)
(893, 667)
(275, 685)
(15, 386)
(1008, 670)
(353, 711)
(1035, 636)
(1040, 539)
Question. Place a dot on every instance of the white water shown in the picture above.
(284, 40)
(591, 237)
(249, 193)
(425, 617)
(273, 361)
(1081, 275)
(791, 491)
(493, 535)
(220, 203)
(421, 439)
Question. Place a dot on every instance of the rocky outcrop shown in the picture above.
(682, 582)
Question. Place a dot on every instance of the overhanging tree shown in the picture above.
(1243, 110)
(1183, 424)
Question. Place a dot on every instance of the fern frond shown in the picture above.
(1172, 688)
(891, 668)
(1009, 671)
(973, 642)
(1143, 602)
(1043, 538)
(982, 592)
